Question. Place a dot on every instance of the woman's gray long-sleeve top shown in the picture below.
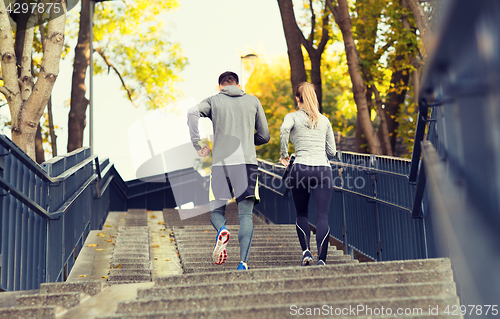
(311, 145)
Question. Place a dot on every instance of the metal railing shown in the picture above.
(370, 210)
(168, 190)
(46, 213)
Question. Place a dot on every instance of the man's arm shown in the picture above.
(262, 135)
(201, 110)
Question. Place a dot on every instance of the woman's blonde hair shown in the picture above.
(308, 102)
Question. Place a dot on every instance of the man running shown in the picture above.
(239, 124)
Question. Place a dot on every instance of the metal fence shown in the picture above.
(46, 213)
(158, 192)
(370, 210)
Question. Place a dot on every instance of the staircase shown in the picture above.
(274, 287)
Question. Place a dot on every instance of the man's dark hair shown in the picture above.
(228, 78)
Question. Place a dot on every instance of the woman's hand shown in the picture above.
(284, 161)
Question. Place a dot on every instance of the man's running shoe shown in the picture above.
(321, 263)
(242, 266)
(220, 254)
(307, 258)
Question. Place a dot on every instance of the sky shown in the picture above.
(213, 36)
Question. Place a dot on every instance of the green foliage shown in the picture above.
(134, 38)
(270, 83)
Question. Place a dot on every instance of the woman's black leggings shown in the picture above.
(316, 180)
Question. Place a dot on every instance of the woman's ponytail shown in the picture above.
(309, 102)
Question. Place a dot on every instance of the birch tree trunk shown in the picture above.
(26, 98)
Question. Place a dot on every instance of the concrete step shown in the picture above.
(234, 251)
(303, 282)
(360, 294)
(88, 287)
(128, 278)
(232, 267)
(208, 265)
(270, 260)
(367, 309)
(294, 272)
(63, 299)
(38, 312)
(122, 271)
(116, 265)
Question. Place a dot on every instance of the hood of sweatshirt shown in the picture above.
(232, 90)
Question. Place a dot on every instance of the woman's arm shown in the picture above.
(285, 129)
(331, 148)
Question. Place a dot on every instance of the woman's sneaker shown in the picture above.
(307, 258)
(220, 254)
(321, 263)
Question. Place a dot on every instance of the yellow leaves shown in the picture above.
(152, 216)
(117, 267)
(104, 277)
(108, 226)
(101, 235)
(161, 223)
(92, 245)
(110, 240)
(99, 249)
(155, 246)
(163, 236)
(82, 276)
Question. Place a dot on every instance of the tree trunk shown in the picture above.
(27, 100)
(343, 20)
(316, 77)
(40, 153)
(383, 130)
(293, 42)
(76, 118)
(422, 24)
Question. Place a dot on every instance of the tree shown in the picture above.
(147, 72)
(26, 98)
(315, 44)
(343, 20)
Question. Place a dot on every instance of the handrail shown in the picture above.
(39, 171)
(336, 188)
(67, 204)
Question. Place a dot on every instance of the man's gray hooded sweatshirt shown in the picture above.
(239, 124)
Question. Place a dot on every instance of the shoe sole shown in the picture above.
(219, 255)
(307, 261)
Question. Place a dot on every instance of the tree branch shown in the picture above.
(381, 50)
(325, 36)
(313, 23)
(110, 65)
(422, 21)
(27, 80)
(8, 63)
(333, 10)
(4, 91)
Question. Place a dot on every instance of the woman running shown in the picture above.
(312, 135)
